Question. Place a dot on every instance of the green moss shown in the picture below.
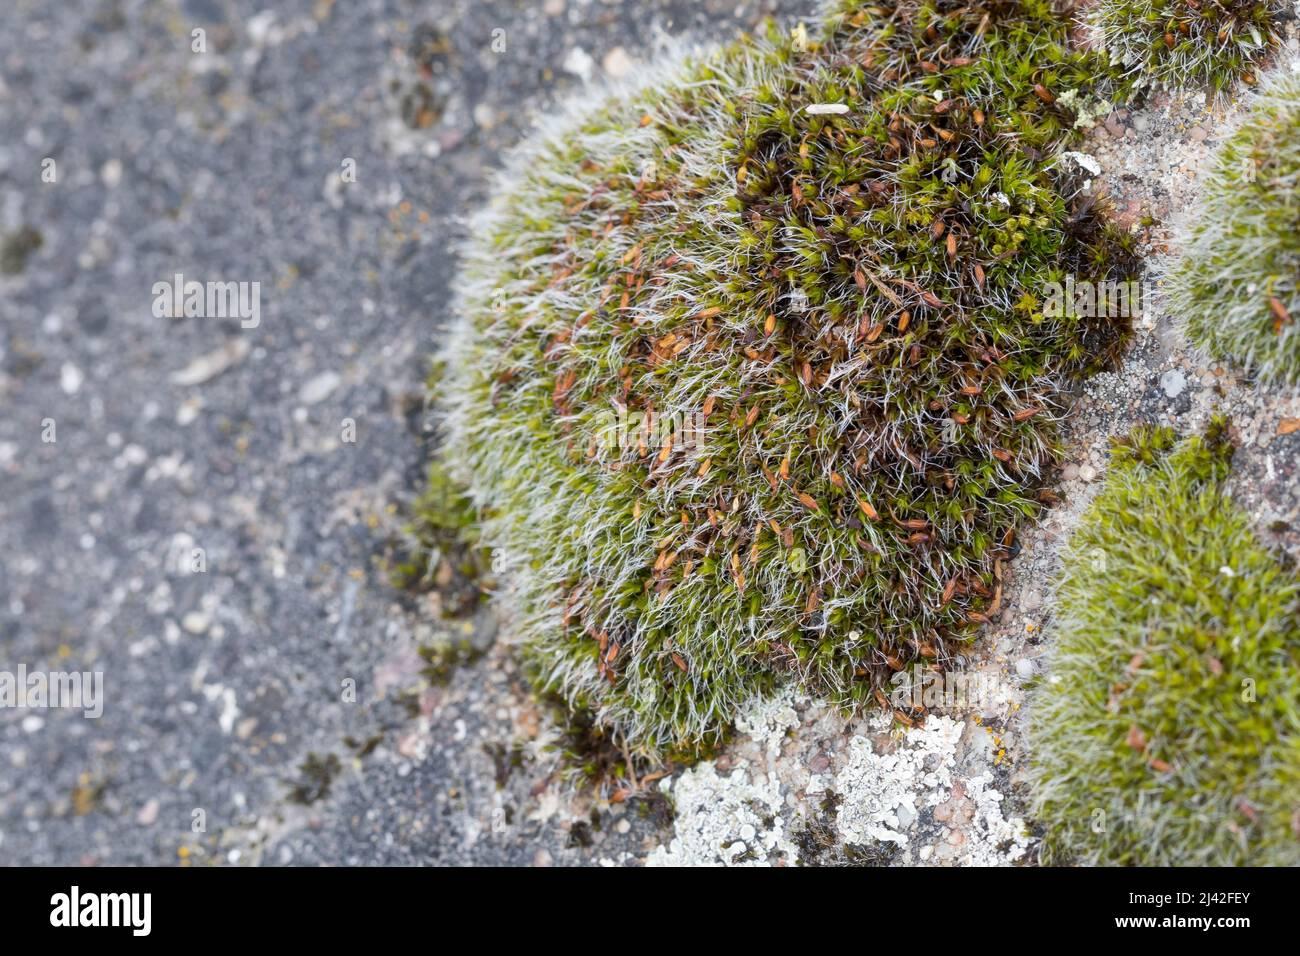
(588, 750)
(444, 654)
(1237, 285)
(1188, 43)
(746, 390)
(316, 776)
(441, 550)
(17, 247)
(593, 754)
(1168, 729)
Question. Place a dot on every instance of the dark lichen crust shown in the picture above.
(752, 375)
(1168, 730)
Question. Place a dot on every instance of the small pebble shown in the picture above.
(484, 116)
(111, 173)
(70, 379)
(1173, 382)
(617, 62)
(579, 63)
(148, 813)
(319, 388)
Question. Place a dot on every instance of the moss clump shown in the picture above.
(1168, 731)
(316, 776)
(441, 547)
(445, 654)
(1237, 285)
(17, 247)
(751, 373)
(1188, 44)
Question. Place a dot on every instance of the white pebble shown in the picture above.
(579, 63)
(111, 173)
(70, 379)
(617, 62)
(319, 388)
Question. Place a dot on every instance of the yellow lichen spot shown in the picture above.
(84, 796)
(799, 38)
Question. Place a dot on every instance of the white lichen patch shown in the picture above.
(993, 840)
(881, 794)
(916, 793)
(736, 819)
(1088, 110)
(733, 820)
(926, 792)
(767, 720)
(1083, 161)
